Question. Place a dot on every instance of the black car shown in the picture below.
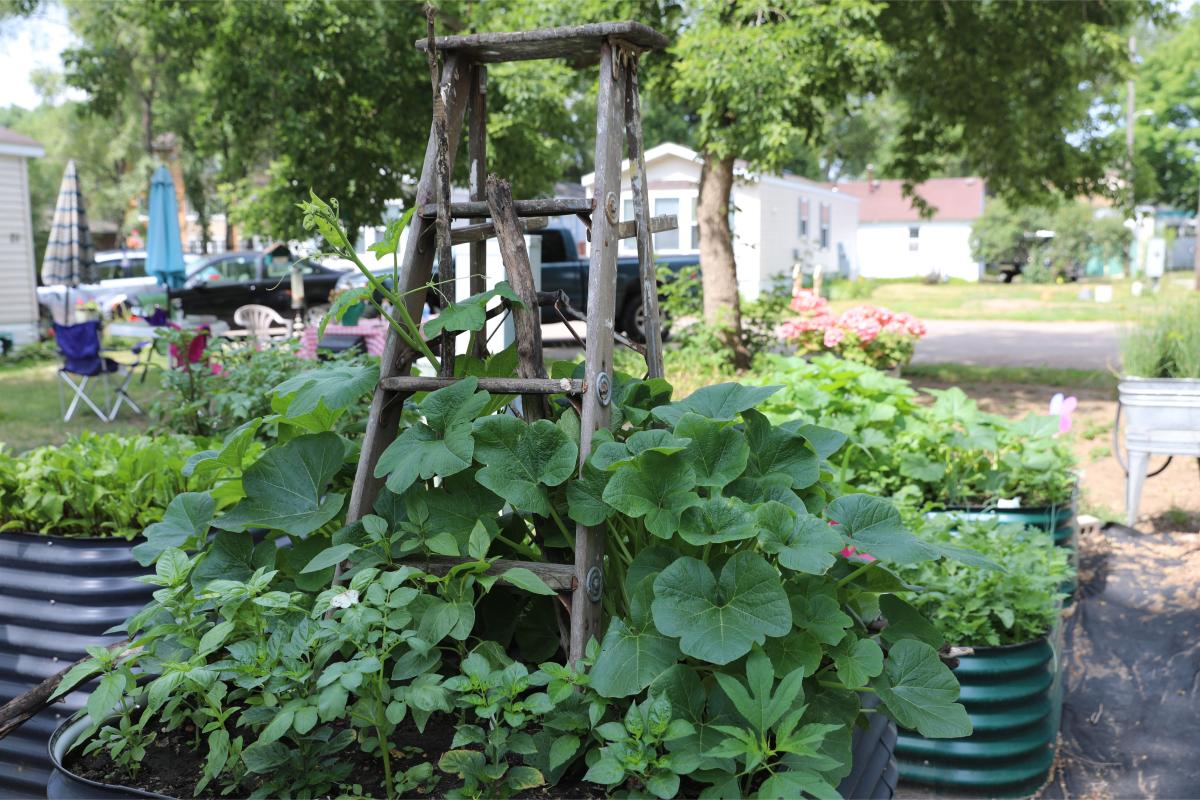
(221, 284)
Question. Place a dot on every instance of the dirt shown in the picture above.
(1170, 501)
(173, 766)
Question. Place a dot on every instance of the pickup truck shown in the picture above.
(563, 269)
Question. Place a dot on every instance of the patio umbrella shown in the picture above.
(69, 257)
(164, 250)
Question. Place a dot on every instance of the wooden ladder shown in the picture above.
(461, 84)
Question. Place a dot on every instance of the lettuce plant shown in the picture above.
(976, 608)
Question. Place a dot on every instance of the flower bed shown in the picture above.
(865, 333)
(736, 640)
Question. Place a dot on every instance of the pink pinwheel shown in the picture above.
(1062, 407)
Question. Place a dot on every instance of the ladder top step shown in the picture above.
(577, 42)
(421, 383)
(547, 207)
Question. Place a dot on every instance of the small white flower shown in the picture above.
(345, 599)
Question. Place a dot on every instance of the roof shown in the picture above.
(673, 150)
(14, 144)
(954, 199)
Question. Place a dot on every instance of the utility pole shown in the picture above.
(1196, 243)
(1129, 118)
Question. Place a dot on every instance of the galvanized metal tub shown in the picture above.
(57, 595)
(1013, 696)
(874, 772)
(1162, 417)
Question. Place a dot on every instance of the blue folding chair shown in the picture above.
(79, 346)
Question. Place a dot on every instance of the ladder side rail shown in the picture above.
(601, 307)
(652, 322)
(476, 179)
(415, 270)
(527, 320)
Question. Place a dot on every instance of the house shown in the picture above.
(18, 278)
(895, 241)
(777, 220)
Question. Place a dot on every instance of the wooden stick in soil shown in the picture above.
(527, 321)
(20, 709)
(446, 277)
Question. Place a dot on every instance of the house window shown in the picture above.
(695, 223)
(667, 240)
(803, 217)
(914, 237)
(826, 217)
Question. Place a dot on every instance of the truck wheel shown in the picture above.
(633, 321)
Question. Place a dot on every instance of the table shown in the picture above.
(373, 331)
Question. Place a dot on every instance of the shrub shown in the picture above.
(868, 334)
(976, 608)
(1165, 346)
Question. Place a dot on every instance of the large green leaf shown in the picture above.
(920, 692)
(873, 525)
(906, 622)
(442, 445)
(655, 486)
(470, 314)
(720, 620)
(717, 519)
(455, 506)
(722, 401)
(857, 661)
(334, 387)
(758, 700)
(186, 519)
(286, 488)
(522, 459)
(718, 453)
(800, 542)
(633, 652)
(774, 450)
(585, 496)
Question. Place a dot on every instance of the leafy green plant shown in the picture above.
(739, 618)
(104, 484)
(948, 453)
(973, 607)
(1165, 346)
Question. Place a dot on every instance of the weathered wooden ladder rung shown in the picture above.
(459, 85)
(421, 383)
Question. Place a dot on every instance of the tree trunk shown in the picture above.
(718, 269)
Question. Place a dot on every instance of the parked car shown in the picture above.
(121, 278)
(563, 269)
(221, 284)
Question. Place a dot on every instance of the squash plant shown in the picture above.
(741, 632)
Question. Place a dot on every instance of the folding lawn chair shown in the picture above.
(79, 346)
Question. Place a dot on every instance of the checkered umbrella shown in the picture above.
(69, 258)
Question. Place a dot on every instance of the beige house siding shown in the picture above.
(18, 284)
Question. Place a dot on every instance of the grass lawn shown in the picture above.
(1028, 302)
(30, 415)
(959, 374)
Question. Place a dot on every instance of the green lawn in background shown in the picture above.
(1029, 302)
(957, 374)
(30, 415)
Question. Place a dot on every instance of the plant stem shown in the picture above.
(524, 550)
(562, 527)
(856, 573)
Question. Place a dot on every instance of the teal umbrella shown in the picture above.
(164, 250)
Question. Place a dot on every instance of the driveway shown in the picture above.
(1077, 345)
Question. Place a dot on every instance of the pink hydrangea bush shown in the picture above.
(865, 333)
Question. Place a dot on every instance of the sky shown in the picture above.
(29, 44)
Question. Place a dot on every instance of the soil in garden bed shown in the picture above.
(172, 766)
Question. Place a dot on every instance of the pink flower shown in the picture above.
(807, 300)
(833, 337)
(850, 551)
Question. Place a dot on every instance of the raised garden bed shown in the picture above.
(1013, 696)
(57, 596)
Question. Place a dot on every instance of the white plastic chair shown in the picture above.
(260, 323)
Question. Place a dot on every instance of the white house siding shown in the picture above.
(766, 228)
(888, 250)
(18, 288)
